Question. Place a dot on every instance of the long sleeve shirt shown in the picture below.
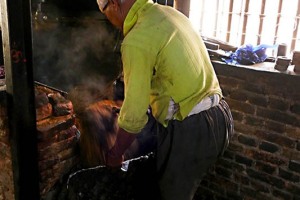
(163, 58)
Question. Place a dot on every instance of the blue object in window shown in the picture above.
(249, 55)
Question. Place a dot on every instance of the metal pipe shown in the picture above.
(63, 93)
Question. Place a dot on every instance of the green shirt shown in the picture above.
(163, 57)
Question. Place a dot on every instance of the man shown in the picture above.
(166, 66)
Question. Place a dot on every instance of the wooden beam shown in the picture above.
(183, 6)
(278, 20)
(17, 42)
(246, 13)
(296, 31)
(261, 20)
(229, 21)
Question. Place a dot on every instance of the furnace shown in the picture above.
(61, 55)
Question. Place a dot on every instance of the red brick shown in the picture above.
(276, 138)
(253, 87)
(291, 154)
(244, 128)
(281, 194)
(275, 126)
(248, 192)
(260, 187)
(265, 167)
(229, 82)
(269, 147)
(249, 141)
(272, 180)
(223, 172)
(288, 175)
(241, 106)
(295, 108)
(292, 132)
(258, 99)
(279, 116)
(239, 95)
(278, 103)
(254, 121)
(49, 127)
(294, 166)
(235, 147)
(266, 157)
(242, 179)
(237, 116)
(243, 160)
(293, 188)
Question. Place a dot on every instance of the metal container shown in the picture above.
(281, 50)
(282, 63)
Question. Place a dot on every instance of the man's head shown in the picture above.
(115, 10)
(102, 4)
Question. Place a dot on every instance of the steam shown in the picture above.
(74, 52)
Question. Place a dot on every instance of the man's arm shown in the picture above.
(114, 156)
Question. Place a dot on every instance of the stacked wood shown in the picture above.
(57, 136)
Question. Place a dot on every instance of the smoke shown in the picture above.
(71, 52)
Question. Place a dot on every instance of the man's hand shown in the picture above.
(114, 156)
(114, 161)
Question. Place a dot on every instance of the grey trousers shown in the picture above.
(187, 149)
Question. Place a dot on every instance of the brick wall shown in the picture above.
(57, 142)
(263, 159)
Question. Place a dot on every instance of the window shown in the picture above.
(253, 22)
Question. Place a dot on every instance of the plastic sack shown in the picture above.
(249, 55)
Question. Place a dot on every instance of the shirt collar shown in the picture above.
(132, 15)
